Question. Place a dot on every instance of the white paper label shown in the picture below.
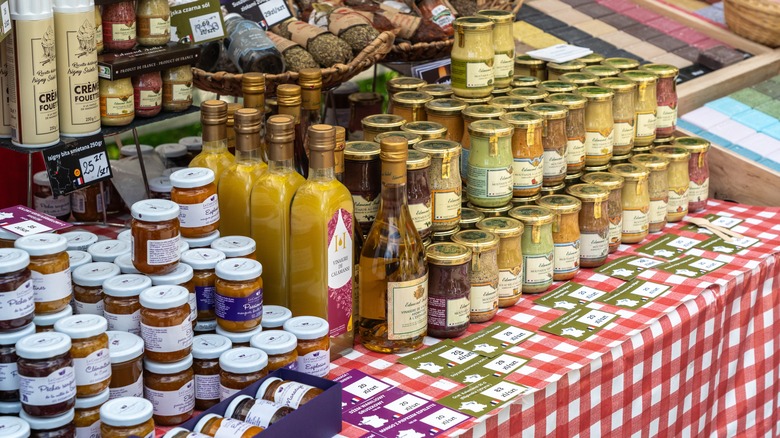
(598, 145)
(192, 300)
(9, 377)
(458, 311)
(172, 403)
(52, 207)
(51, 287)
(484, 297)
(667, 117)
(167, 339)
(207, 387)
(230, 428)
(554, 163)
(490, 183)
(478, 74)
(182, 92)
(340, 272)
(421, 216)
(645, 125)
(634, 222)
(446, 205)
(17, 303)
(657, 213)
(624, 133)
(57, 387)
(225, 392)
(407, 304)
(315, 363)
(616, 231)
(365, 210)
(91, 431)
(261, 413)
(698, 193)
(81, 308)
(135, 389)
(199, 215)
(130, 323)
(678, 201)
(510, 283)
(150, 98)
(503, 66)
(538, 269)
(593, 246)
(92, 369)
(575, 151)
(162, 252)
(527, 173)
(566, 257)
(291, 393)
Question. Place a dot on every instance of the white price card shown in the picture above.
(94, 167)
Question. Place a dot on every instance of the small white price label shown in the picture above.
(366, 387)
(206, 27)
(405, 404)
(504, 391)
(94, 167)
(27, 228)
(444, 419)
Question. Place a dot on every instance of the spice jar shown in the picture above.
(490, 163)
(425, 129)
(216, 426)
(448, 113)
(206, 350)
(87, 414)
(313, 344)
(614, 184)
(238, 301)
(155, 231)
(235, 246)
(286, 392)
(449, 306)
(47, 379)
(171, 389)
(575, 129)
(622, 113)
(195, 191)
(204, 261)
(119, 26)
(471, 114)
(678, 180)
(698, 171)
(666, 97)
(528, 152)
(166, 327)
(580, 79)
(81, 240)
(177, 88)
(419, 191)
(469, 219)
(658, 188)
(117, 105)
(554, 139)
(280, 346)
(410, 105)
(483, 272)
(17, 297)
(89, 350)
(60, 426)
(50, 270)
(201, 242)
(361, 177)
(593, 223)
(259, 412)
(566, 234)
(599, 123)
(126, 417)
(645, 105)
(275, 316)
(636, 201)
(9, 374)
(240, 367)
(510, 258)
(444, 181)
(44, 200)
(154, 22)
(556, 69)
(88, 286)
(239, 339)
(45, 322)
(537, 247)
(147, 94)
(379, 123)
(411, 138)
(127, 368)
(107, 251)
(525, 65)
(473, 57)
(400, 84)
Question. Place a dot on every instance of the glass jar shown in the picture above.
(259, 412)
(525, 65)
(473, 55)
(17, 298)
(528, 152)
(181, 276)
(621, 64)
(443, 236)
(444, 182)
(204, 261)
(636, 201)
(239, 339)
(44, 200)
(614, 184)
(503, 46)
(80, 240)
(411, 138)
(155, 231)
(599, 123)
(410, 105)
(121, 305)
(313, 344)
(177, 88)
(678, 179)
(154, 22)
(240, 367)
(489, 212)
(619, 159)
(361, 105)
(9, 374)
(117, 105)
(554, 139)
(87, 414)
(537, 247)
(281, 348)
(448, 113)
(427, 130)
(147, 94)
(79, 258)
(89, 349)
(61, 426)
(622, 113)
(127, 367)
(645, 105)
(171, 389)
(126, 417)
(47, 379)
(201, 242)
(399, 84)
(165, 323)
(566, 234)
(238, 301)
(557, 87)
(161, 187)
(534, 95)
(510, 103)
(419, 191)
(471, 114)
(362, 178)
(50, 271)
(45, 322)
(107, 251)
(214, 425)
(658, 188)
(483, 272)
(666, 97)
(698, 171)
(519, 81)
(556, 69)
(286, 392)
(437, 91)
(206, 350)
(449, 288)
(592, 59)
(580, 79)
(490, 163)
(593, 222)
(575, 129)
(510, 258)
(172, 155)
(119, 26)
(379, 123)
(530, 200)
(88, 287)
(275, 316)
(14, 427)
(236, 246)
(469, 219)
(195, 191)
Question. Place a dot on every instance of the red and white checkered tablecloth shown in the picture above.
(697, 361)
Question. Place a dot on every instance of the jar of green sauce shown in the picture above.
(537, 247)
(490, 163)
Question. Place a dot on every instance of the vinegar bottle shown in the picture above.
(253, 88)
(393, 273)
(270, 208)
(235, 184)
(321, 226)
(214, 156)
(310, 80)
(288, 100)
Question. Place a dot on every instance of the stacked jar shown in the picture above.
(614, 185)
(537, 247)
(527, 152)
(444, 181)
(554, 139)
(483, 272)
(510, 258)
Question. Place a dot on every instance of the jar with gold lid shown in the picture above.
(411, 138)
(535, 95)
(645, 105)
(599, 132)
(557, 86)
(658, 188)
(125, 417)
(636, 201)
(594, 223)
(444, 182)
(427, 130)
(362, 178)
(488, 212)
(554, 139)
(483, 272)
(447, 112)
(621, 64)
(50, 271)
(528, 200)
(592, 59)
(448, 289)
(666, 97)
(510, 257)
(698, 171)
(572, 179)
(527, 152)
(410, 105)
(575, 129)
(474, 100)
(526, 65)
(503, 45)
(510, 103)
(471, 114)
(166, 327)
(500, 92)
(537, 246)
(419, 191)
(566, 234)
(239, 368)
(554, 190)
(490, 163)
(619, 159)
(469, 218)
(579, 79)
(556, 69)
(171, 389)
(437, 91)
(378, 123)
(614, 184)
(280, 346)
(399, 84)
(622, 113)
(473, 57)
(519, 81)
(678, 178)
(602, 70)
(89, 349)
(117, 106)
(444, 236)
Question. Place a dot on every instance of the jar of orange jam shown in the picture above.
(155, 232)
(121, 306)
(50, 269)
(88, 286)
(87, 418)
(286, 392)
(181, 276)
(89, 348)
(240, 367)
(313, 344)
(236, 246)
(281, 347)
(214, 425)
(126, 417)
(171, 389)
(238, 301)
(165, 323)
(204, 263)
(196, 193)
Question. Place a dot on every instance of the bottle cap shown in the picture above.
(130, 150)
(42, 244)
(274, 342)
(210, 346)
(12, 260)
(125, 263)
(78, 258)
(94, 401)
(80, 240)
(180, 275)
(192, 177)
(253, 82)
(202, 258)
(43, 345)
(108, 250)
(126, 285)
(164, 297)
(235, 246)
(275, 316)
(11, 408)
(41, 178)
(307, 328)
(201, 242)
(239, 269)
(126, 235)
(26, 10)
(234, 404)
(213, 112)
(124, 346)
(48, 423)
(243, 360)
(126, 411)
(82, 326)
(94, 274)
(12, 427)
(288, 95)
(168, 368)
(171, 150)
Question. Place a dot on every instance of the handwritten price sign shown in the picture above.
(77, 164)
(95, 167)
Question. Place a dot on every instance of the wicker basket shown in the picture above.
(229, 84)
(756, 20)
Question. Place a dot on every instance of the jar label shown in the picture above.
(484, 297)
(91, 431)
(51, 287)
(699, 192)
(17, 303)
(57, 387)
(444, 313)
(527, 173)
(291, 393)
(51, 206)
(538, 268)
(635, 221)
(205, 297)
(421, 216)
(261, 413)
(315, 363)
(678, 201)
(407, 308)
(666, 116)
(471, 74)
(645, 125)
(566, 257)
(239, 308)
(192, 300)
(200, 215)
(554, 163)
(446, 205)
(616, 231)
(510, 282)
(225, 392)
(99, 34)
(442, 16)
(81, 308)
(575, 151)
(94, 368)
(78, 202)
(598, 145)
(122, 31)
(149, 99)
(340, 269)
(490, 183)
(115, 107)
(230, 428)
(207, 387)
(365, 210)
(9, 377)
(464, 163)
(503, 65)
(154, 26)
(593, 246)
(657, 213)
(624, 133)
(172, 403)
(135, 389)
(178, 92)
(167, 339)
(130, 323)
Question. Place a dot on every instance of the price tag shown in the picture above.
(77, 164)
(5, 15)
(197, 22)
(267, 13)
(26, 221)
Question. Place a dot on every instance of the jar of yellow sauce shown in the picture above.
(678, 180)
(473, 56)
(472, 114)
(555, 69)
(535, 95)
(537, 247)
(580, 79)
(622, 113)
(636, 201)
(594, 224)
(599, 132)
(658, 188)
(566, 234)
(503, 45)
(614, 184)
(554, 140)
(525, 65)
(575, 129)
(698, 171)
(379, 123)
(448, 112)
(621, 64)
(510, 257)
(411, 105)
(645, 105)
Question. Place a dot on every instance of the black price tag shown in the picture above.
(77, 164)
(197, 21)
(265, 12)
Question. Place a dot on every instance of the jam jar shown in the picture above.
(483, 272)
(126, 417)
(410, 105)
(537, 246)
(527, 152)
(379, 123)
(313, 344)
(87, 418)
(275, 316)
(61, 426)
(78, 258)
(238, 301)
(206, 350)
(88, 286)
(9, 376)
(201, 242)
(195, 191)
(614, 184)
(594, 224)
(161, 187)
(287, 392)
(240, 367)
(204, 262)
(44, 200)
(127, 366)
(47, 379)
(281, 348)
(216, 426)
(108, 250)
(121, 306)
(80, 240)
(182, 276)
(658, 188)
(236, 246)
(419, 191)
(554, 139)
(89, 349)
(17, 299)
(87, 204)
(14, 427)
(566, 234)
(171, 389)
(259, 412)
(362, 178)
(698, 171)
(678, 180)
(155, 236)
(636, 201)
(50, 270)
(444, 181)
(45, 322)
(239, 339)
(165, 323)
(448, 289)
(447, 112)
(510, 257)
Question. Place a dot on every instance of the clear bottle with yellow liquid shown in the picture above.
(235, 184)
(270, 207)
(288, 99)
(215, 155)
(322, 230)
(253, 88)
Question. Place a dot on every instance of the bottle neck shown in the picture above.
(250, 156)
(322, 174)
(215, 138)
(294, 111)
(248, 146)
(394, 183)
(280, 166)
(255, 101)
(311, 99)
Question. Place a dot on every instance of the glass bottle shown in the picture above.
(310, 81)
(473, 57)
(623, 114)
(322, 239)
(288, 98)
(253, 88)
(270, 209)
(214, 156)
(528, 153)
(575, 129)
(393, 272)
(554, 140)
(249, 48)
(646, 105)
(599, 125)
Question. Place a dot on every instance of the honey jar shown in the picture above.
(240, 367)
(50, 270)
(313, 344)
(126, 417)
(281, 348)
(171, 389)
(89, 349)
(155, 231)
(165, 323)
(195, 191)
(239, 294)
(88, 286)
(127, 366)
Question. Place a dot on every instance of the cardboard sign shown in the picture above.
(569, 295)
(626, 268)
(26, 221)
(78, 164)
(483, 396)
(197, 22)
(437, 359)
(668, 246)
(635, 294)
(494, 339)
(580, 323)
(691, 266)
(267, 13)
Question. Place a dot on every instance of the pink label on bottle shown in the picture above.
(340, 267)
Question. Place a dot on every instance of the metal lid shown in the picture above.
(171, 150)
(411, 138)
(361, 151)
(662, 70)
(411, 98)
(437, 90)
(631, 172)
(14, 427)
(640, 76)
(532, 215)
(502, 226)
(566, 66)
(80, 240)
(601, 70)
(561, 204)
(491, 211)
(673, 153)
(125, 263)
(552, 190)
(472, 23)
(439, 148)
(470, 216)
(91, 402)
(383, 121)
(520, 81)
(239, 269)
(235, 246)
(482, 112)
(476, 240)
(525, 200)
(589, 192)
(596, 94)
(599, 168)
(569, 100)
(621, 63)
(609, 181)
(445, 106)
(579, 78)
(417, 160)
(692, 144)
(653, 162)
(201, 242)
(126, 285)
(523, 120)
(528, 60)
(444, 235)
(425, 128)
(109, 250)
(549, 111)
(405, 83)
(497, 15)
(192, 177)
(48, 319)
(617, 84)
(11, 338)
(447, 254)
(490, 128)
(161, 184)
(42, 244)
(48, 423)
(243, 360)
(307, 328)
(498, 92)
(239, 337)
(661, 141)
(593, 58)
(510, 103)
(94, 274)
(557, 86)
(274, 342)
(532, 94)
